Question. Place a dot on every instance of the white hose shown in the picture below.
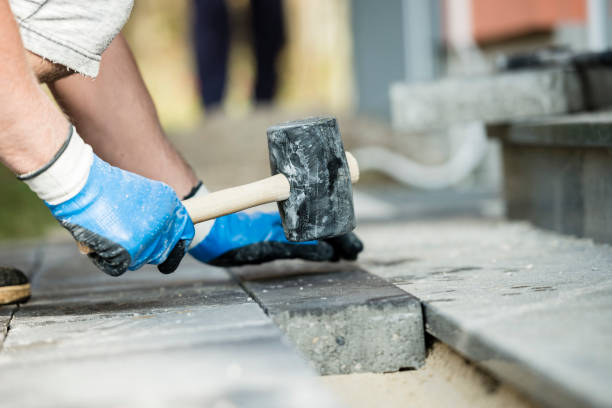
(463, 162)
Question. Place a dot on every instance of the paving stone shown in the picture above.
(342, 318)
(533, 307)
(489, 98)
(254, 373)
(193, 338)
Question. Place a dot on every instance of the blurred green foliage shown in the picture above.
(22, 214)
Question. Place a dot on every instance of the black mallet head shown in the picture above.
(309, 152)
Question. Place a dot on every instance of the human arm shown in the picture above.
(115, 114)
(31, 128)
(86, 195)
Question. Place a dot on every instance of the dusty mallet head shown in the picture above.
(309, 152)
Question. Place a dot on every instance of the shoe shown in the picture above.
(14, 286)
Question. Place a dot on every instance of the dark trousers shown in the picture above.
(211, 40)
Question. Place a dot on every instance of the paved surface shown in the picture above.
(342, 318)
(535, 308)
(193, 338)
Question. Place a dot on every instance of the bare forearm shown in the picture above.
(31, 128)
(115, 114)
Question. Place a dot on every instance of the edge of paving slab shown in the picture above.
(340, 317)
(550, 344)
(503, 364)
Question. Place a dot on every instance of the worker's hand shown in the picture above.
(125, 220)
(253, 238)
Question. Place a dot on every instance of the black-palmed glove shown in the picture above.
(253, 238)
(124, 219)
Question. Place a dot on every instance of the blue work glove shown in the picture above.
(125, 219)
(253, 238)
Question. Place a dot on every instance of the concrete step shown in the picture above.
(499, 98)
(194, 338)
(556, 173)
(533, 308)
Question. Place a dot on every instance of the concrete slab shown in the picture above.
(489, 98)
(194, 338)
(342, 318)
(532, 307)
(254, 373)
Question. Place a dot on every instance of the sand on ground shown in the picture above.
(446, 380)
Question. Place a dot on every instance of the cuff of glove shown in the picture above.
(65, 175)
(202, 229)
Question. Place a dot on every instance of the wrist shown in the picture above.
(64, 176)
(32, 129)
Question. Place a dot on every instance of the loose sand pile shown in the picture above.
(446, 380)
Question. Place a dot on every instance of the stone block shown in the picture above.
(340, 317)
(490, 98)
(532, 307)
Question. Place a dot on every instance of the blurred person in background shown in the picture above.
(105, 169)
(211, 37)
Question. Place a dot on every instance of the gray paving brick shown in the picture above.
(342, 318)
(254, 373)
(532, 307)
(488, 98)
(194, 338)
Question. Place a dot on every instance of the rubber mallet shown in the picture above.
(311, 182)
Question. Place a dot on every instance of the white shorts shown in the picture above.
(73, 33)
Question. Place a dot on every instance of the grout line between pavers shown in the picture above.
(7, 328)
(249, 292)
